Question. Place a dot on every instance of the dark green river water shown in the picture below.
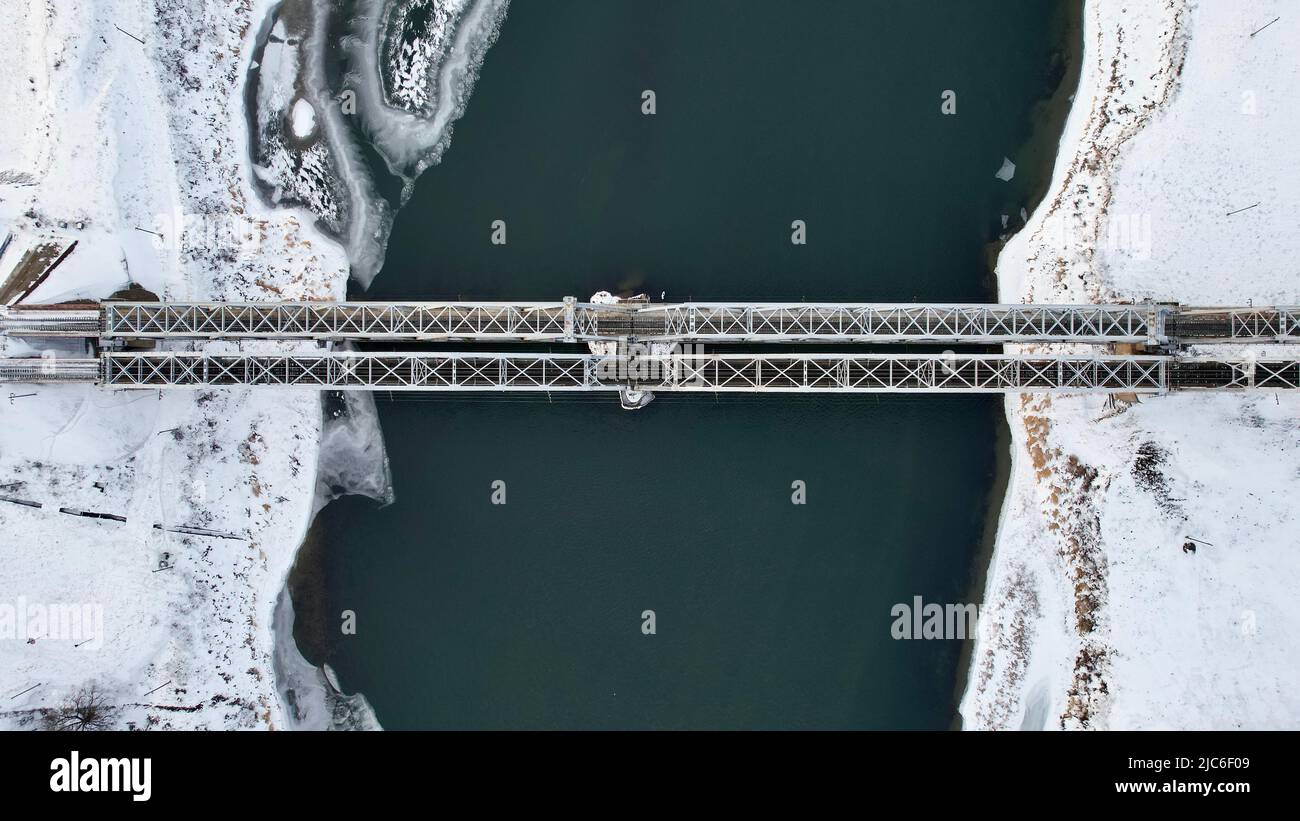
(768, 614)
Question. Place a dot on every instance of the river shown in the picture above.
(766, 613)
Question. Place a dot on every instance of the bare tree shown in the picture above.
(87, 710)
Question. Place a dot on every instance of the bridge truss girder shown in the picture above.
(689, 322)
(710, 373)
(571, 321)
(795, 373)
(521, 321)
(978, 324)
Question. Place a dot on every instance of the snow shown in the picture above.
(87, 134)
(298, 171)
(418, 34)
(1094, 616)
(117, 136)
(140, 152)
(303, 119)
(410, 142)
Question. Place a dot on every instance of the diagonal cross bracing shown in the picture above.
(942, 373)
(703, 322)
(571, 321)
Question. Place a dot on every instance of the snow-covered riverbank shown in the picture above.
(126, 129)
(104, 139)
(1095, 616)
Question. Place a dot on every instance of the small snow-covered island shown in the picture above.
(161, 468)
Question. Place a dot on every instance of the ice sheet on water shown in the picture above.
(410, 142)
(353, 460)
(441, 43)
(311, 695)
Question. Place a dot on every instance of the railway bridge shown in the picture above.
(638, 348)
(570, 321)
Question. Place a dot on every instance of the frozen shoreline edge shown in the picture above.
(1009, 462)
(287, 660)
(1011, 289)
(311, 704)
(1094, 617)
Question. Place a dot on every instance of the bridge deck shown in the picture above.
(570, 321)
(857, 373)
(690, 322)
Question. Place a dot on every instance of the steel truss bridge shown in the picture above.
(707, 373)
(643, 332)
(705, 322)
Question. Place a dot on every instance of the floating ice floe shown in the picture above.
(1007, 171)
